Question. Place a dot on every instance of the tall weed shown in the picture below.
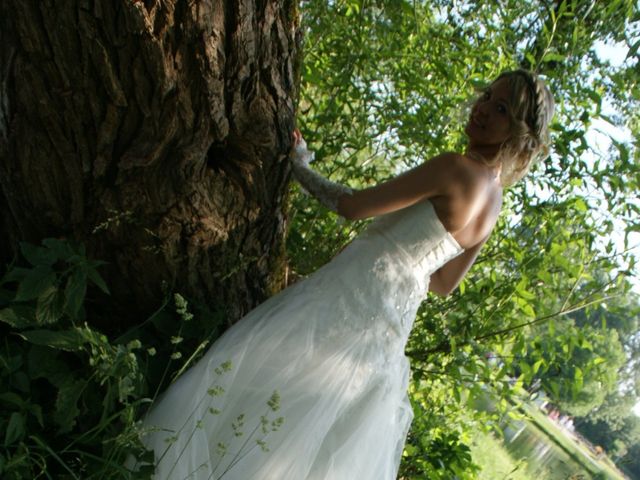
(70, 396)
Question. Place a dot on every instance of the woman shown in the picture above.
(312, 383)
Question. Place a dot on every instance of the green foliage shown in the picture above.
(496, 462)
(64, 384)
(70, 396)
(384, 87)
(438, 444)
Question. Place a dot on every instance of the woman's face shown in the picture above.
(490, 122)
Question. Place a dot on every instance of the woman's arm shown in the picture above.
(448, 277)
(444, 175)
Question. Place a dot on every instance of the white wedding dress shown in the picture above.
(332, 347)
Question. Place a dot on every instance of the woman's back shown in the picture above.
(470, 229)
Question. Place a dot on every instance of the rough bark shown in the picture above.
(155, 132)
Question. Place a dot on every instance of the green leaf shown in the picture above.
(514, 414)
(456, 394)
(37, 256)
(44, 362)
(69, 340)
(60, 248)
(410, 450)
(36, 411)
(581, 205)
(586, 344)
(15, 429)
(12, 363)
(97, 280)
(35, 283)
(553, 57)
(19, 316)
(75, 292)
(49, 308)
(66, 410)
(579, 379)
(521, 290)
(633, 50)
(12, 398)
(21, 382)
(537, 365)
(6, 297)
(16, 274)
(528, 310)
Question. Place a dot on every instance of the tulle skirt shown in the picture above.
(311, 385)
(302, 388)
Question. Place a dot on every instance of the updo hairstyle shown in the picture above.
(531, 108)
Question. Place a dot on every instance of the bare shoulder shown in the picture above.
(462, 173)
(449, 160)
(468, 205)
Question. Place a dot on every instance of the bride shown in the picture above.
(312, 383)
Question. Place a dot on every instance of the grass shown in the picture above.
(495, 461)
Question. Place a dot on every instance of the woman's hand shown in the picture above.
(326, 191)
(297, 138)
(300, 153)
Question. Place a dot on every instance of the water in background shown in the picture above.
(543, 457)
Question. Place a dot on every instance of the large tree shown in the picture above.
(154, 132)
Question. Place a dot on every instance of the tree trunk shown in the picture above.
(155, 132)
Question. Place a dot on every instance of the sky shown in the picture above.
(600, 131)
(598, 135)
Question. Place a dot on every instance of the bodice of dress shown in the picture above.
(386, 270)
(417, 236)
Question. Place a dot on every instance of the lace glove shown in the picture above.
(326, 191)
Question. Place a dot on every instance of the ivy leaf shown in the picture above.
(35, 283)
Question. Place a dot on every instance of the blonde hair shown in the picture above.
(531, 108)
